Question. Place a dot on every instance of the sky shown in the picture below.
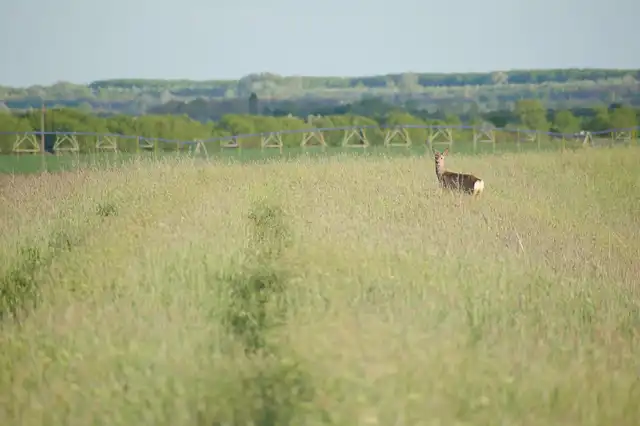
(79, 41)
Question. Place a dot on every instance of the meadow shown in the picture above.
(339, 290)
(35, 163)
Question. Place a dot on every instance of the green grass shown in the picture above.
(339, 290)
(55, 163)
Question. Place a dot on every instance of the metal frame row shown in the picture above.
(353, 137)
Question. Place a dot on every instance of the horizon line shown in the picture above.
(229, 80)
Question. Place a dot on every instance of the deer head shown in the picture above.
(439, 157)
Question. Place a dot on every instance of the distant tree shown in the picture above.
(254, 108)
(499, 78)
(600, 121)
(623, 117)
(473, 112)
(452, 120)
(565, 122)
(532, 114)
(12, 123)
(409, 82)
(246, 85)
(85, 107)
(629, 79)
(165, 96)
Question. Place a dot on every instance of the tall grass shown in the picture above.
(339, 291)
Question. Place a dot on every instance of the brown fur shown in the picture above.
(464, 182)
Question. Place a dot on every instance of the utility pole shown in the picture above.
(42, 111)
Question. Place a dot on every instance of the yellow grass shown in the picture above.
(129, 295)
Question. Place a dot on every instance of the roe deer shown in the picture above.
(466, 183)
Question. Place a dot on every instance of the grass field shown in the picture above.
(340, 290)
(29, 163)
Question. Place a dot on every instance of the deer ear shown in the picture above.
(446, 151)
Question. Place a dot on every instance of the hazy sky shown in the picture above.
(44, 41)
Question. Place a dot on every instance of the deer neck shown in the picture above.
(439, 171)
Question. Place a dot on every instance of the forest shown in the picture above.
(455, 93)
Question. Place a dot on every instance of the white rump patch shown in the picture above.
(478, 187)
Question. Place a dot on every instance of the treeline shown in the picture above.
(245, 85)
(527, 114)
(461, 104)
(561, 88)
(407, 81)
(465, 108)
